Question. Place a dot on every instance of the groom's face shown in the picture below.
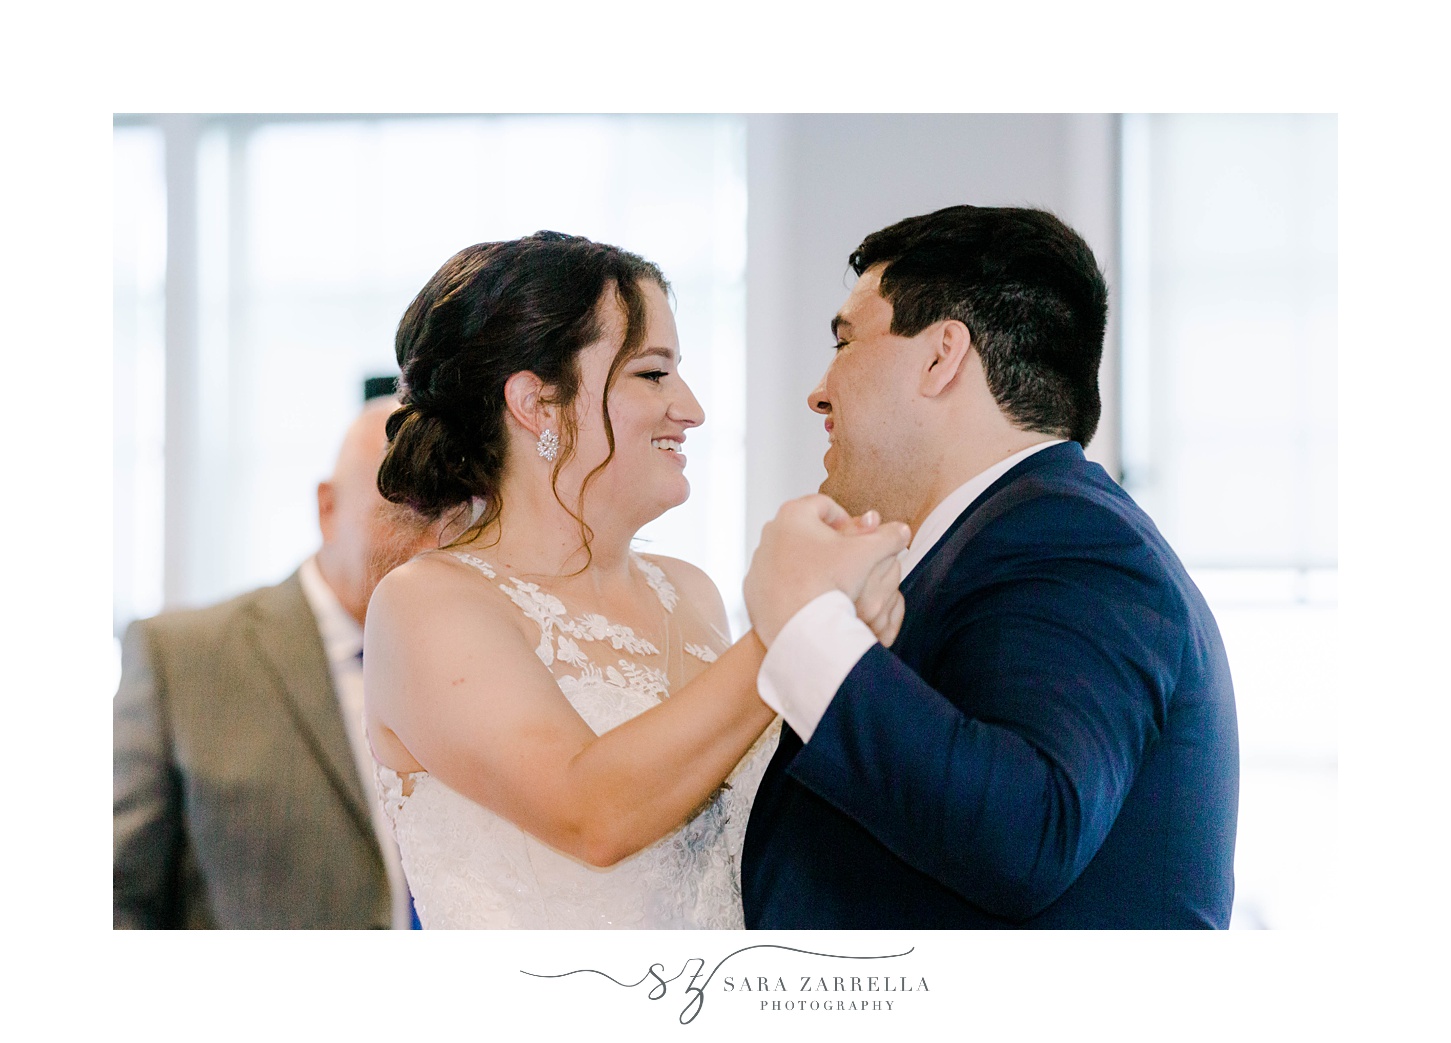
(866, 396)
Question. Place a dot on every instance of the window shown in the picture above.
(311, 235)
(1229, 442)
(139, 268)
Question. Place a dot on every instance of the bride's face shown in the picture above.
(651, 408)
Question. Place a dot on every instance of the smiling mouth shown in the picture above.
(671, 447)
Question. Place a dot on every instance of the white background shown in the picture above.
(1370, 974)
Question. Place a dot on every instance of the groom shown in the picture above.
(1050, 741)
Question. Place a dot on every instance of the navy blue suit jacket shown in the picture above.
(1050, 742)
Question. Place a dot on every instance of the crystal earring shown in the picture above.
(548, 444)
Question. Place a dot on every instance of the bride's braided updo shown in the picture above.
(493, 310)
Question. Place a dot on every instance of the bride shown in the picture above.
(563, 737)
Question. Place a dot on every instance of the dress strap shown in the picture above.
(655, 576)
(557, 624)
(478, 563)
(536, 609)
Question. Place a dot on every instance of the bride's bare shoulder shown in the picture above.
(434, 582)
(436, 611)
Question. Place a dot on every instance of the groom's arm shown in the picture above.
(1002, 777)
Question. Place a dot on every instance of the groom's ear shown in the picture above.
(949, 343)
(529, 405)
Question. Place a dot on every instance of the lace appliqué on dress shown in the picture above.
(704, 653)
(655, 576)
(478, 563)
(548, 611)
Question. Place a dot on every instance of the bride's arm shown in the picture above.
(453, 677)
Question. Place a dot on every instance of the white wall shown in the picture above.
(818, 185)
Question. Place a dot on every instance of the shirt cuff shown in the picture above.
(810, 658)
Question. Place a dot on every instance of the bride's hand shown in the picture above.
(880, 604)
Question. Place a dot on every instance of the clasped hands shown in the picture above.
(814, 546)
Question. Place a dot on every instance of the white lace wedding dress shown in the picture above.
(470, 868)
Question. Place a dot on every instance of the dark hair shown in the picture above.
(379, 387)
(1027, 288)
(493, 310)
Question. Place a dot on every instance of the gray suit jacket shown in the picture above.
(237, 801)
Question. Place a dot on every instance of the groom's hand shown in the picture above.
(880, 604)
(802, 556)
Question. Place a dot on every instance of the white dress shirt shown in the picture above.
(823, 641)
(342, 641)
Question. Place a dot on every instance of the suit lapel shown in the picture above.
(285, 636)
(927, 581)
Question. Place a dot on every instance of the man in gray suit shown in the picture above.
(243, 792)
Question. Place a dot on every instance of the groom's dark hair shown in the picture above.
(1027, 288)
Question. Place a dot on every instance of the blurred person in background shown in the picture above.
(243, 791)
